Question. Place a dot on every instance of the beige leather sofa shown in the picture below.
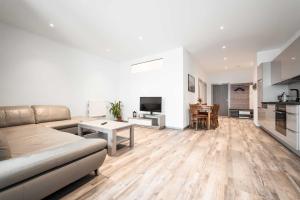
(43, 157)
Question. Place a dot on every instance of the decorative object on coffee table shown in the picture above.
(116, 110)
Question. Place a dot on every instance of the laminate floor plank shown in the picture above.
(235, 161)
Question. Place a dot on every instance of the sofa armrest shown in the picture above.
(18, 169)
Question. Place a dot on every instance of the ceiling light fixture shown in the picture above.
(221, 28)
(140, 38)
(223, 47)
(225, 58)
(51, 25)
(293, 58)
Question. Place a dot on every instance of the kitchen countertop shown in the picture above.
(284, 103)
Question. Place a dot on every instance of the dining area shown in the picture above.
(203, 116)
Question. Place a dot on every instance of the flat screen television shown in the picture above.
(150, 104)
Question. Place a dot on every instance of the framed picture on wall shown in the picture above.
(191, 83)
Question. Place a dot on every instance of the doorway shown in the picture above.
(220, 96)
(202, 91)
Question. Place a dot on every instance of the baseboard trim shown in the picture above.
(177, 128)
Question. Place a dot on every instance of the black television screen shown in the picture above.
(151, 104)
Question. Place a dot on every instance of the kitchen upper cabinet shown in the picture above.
(290, 61)
(276, 71)
(266, 91)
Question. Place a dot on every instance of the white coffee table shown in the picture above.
(111, 129)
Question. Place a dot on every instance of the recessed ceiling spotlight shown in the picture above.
(223, 47)
(221, 28)
(225, 58)
(293, 58)
(140, 38)
(51, 25)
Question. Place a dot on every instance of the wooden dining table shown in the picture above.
(208, 110)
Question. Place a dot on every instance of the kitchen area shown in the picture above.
(278, 89)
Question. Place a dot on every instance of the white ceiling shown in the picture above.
(110, 28)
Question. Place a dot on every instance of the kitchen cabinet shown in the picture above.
(292, 125)
(290, 61)
(262, 116)
(276, 67)
(266, 116)
(266, 91)
(292, 139)
(270, 117)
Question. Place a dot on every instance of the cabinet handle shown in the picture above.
(290, 113)
(292, 130)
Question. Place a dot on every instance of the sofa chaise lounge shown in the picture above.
(39, 156)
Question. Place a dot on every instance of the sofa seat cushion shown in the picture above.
(61, 124)
(4, 148)
(31, 139)
(16, 116)
(50, 113)
(15, 170)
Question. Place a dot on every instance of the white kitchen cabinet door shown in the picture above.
(276, 71)
(262, 117)
(292, 121)
(290, 61)
(270, 117)
(292, 109)
(292, 139)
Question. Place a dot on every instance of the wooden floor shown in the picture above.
(235, 161)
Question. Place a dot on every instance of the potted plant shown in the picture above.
(115, 110)
(199, 100)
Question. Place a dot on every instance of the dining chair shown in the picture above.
(197, 117)
(193, 115)
(215, 115)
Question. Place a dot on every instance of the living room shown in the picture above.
(149, 100)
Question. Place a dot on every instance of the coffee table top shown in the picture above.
(111, 125)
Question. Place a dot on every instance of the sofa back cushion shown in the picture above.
(4, 148)
(15, 116)
(51, 113)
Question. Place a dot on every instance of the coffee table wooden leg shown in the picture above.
(131, 143)
(112, 143)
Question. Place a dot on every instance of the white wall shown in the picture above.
(190, 67)
(165, 82)
(35, 70)
(232, 76)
